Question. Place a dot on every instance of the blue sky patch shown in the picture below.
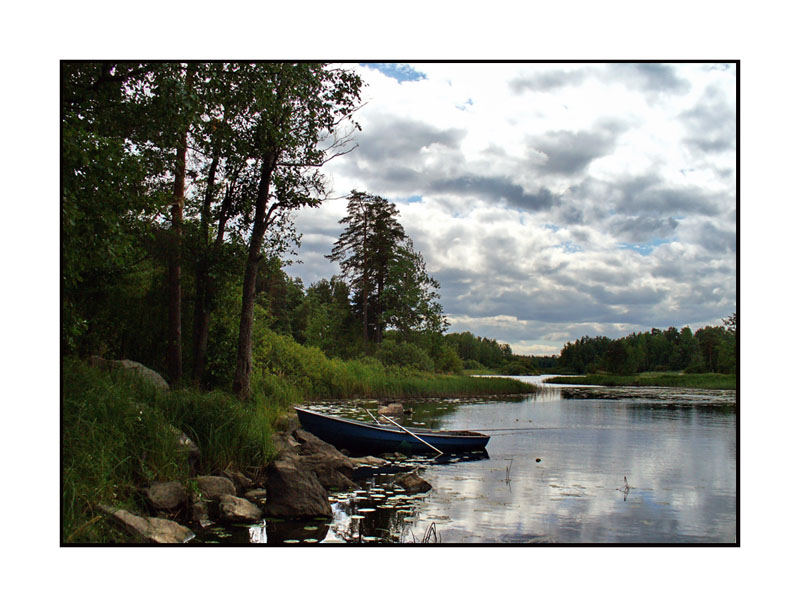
(402, 72)
(644, 248)
(571, 247)
(410, 199)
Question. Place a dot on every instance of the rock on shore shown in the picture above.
(294, 485)
(151, 529)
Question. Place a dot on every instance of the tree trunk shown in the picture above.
(244, 353)
(174, 341)
(364, 268)
(202, 303)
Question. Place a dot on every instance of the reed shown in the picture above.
(711, 381)
(288, 370)
(119, 433)
(113, 440)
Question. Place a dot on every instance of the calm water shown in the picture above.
(554, 471)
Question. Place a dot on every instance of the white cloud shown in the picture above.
(557, 200)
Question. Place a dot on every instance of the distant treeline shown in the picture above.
(479, 353)
(707, 350)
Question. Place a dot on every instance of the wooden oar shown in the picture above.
(370, 414)
(412, 434)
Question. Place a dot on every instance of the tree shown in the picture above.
(411, 294)
(296, 107)
(366, 250)
(390, 285)
(104, 191)
(179, 83)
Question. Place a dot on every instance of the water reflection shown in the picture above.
(589, 470)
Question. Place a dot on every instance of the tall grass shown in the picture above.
(113, 440)
(288, 371)
(119, 434)
(711, 381)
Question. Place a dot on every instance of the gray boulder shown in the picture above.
(242, 482)
(257, 496)
(166, 496)
(155, 530)
(293, 491)
(214, 487)
(392, 410)
(238, 510)
(198, 512)
(413, 483)
(131, 366)
(332, 467)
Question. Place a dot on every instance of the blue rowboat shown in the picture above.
(361, 437)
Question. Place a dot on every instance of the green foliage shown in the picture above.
(386, 277)
(708, 350)
(120, 434)
(714, 381)
(487, 352)
(473, 365)
(290, 372)
(446, 360)
(392, 353)
(113, 441)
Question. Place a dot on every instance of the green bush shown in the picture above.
(405, 355)
(447, 360)
(473, 365)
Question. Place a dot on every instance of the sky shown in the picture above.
(551, 200)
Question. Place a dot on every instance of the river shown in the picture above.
(569, 465)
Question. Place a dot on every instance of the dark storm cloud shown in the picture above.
(547, 81)
(650, 77)
(397, 139)
(711, 124)
(495, 189)
(647, 195)
(642, 229)
(716, 240)
(570, 152)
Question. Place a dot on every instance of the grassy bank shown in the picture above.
(287, 371)
(119, 433)
(711, 381)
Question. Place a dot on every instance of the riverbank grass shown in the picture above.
(119, 434)
(709, 381)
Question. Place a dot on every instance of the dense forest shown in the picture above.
(179, 185)
(707, 350)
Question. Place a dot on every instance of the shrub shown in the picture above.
(405, 355)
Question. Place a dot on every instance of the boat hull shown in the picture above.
(359, 437)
